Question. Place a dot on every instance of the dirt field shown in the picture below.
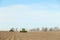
(30, 36)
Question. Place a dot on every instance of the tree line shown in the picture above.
(35, 29)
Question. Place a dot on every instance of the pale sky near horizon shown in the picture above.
(29, 14)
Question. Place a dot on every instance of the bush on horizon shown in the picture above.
(23, 30)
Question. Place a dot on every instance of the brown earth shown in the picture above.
(30, 36)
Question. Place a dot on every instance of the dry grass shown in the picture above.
(30, 36)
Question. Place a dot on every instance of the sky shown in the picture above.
(29, 14)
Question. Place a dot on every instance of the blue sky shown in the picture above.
(29, 14)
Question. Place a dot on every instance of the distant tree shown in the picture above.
(56, 29)
(38, 29)
(16, 29)
(11, 30)
(51, 29)
(33, 29)
(44, 29)
(23, 30)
